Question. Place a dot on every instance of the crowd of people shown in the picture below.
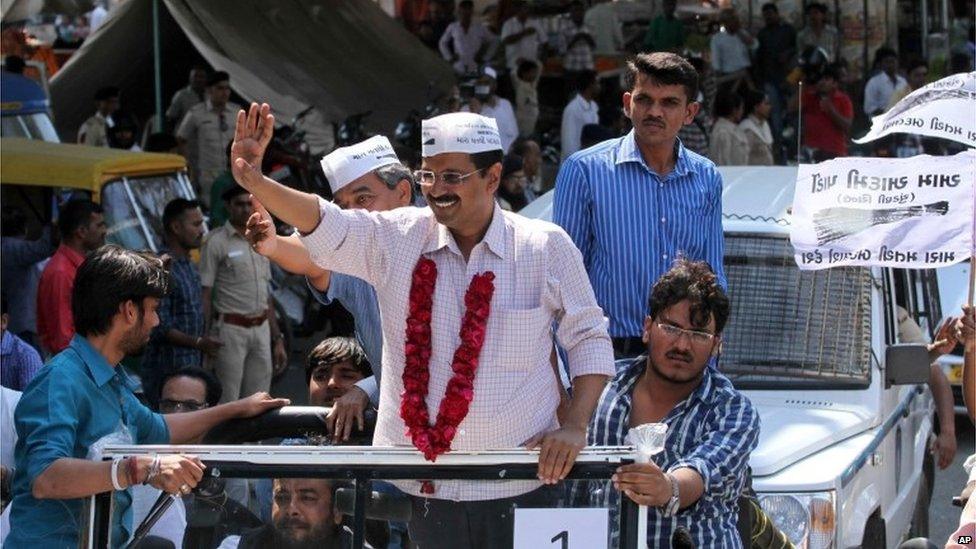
(515, 332)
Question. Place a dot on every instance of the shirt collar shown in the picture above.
(628, 378)
(627, 151)
(72, 255)
(494, 239)
(101, 371)
(231, 231)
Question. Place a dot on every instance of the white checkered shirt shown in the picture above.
(539, 279)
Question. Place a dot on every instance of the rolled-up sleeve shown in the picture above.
(353, 242)
(722, 456)
(582, 330)
(150, 427)
(47, 424)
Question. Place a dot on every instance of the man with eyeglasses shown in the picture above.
(695, 483)
(519, 276)
(210, 126)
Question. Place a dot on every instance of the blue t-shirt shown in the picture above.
(74, 405)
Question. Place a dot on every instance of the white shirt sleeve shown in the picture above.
(230, 542)
(444, 43)
(873, 95)
(571, 132)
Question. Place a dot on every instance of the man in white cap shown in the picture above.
(468, 294)
(487, 103)
(366, 176)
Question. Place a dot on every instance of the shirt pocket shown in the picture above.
(519, 336)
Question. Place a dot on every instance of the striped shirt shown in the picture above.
(630, 223)
(181, 310)
(712, 431)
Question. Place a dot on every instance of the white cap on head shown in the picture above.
(346, 164)
(491, 72)
(459, 132)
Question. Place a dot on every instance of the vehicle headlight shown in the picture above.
(808, 519)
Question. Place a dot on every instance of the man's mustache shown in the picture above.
(678, 355)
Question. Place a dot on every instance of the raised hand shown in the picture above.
(260, 230)
(251, 137)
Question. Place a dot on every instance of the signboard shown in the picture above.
(943, 109)
(914, 212)
(561, 528)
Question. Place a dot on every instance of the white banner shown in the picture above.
(915, 212)
(945, 108)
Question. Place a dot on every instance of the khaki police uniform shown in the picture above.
(240, 281)
(212, 130)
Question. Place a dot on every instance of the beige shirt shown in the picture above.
(213, 130)
(727, 145)
(238, 275)
(183, 100)
(539, 279)
(94, 132)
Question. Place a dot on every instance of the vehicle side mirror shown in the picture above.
(906, 364)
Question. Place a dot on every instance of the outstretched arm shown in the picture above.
(251, 138)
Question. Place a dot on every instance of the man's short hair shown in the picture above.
(521, 146)
(107, 92)
(392, 174)
(484, 160)
(160, 142)
(769, 6)
(832, 70)
(217, 77)
(585, 80)
(915, 62)
(696, 282)
(726, 102)
(214, 390)
(664, 68)
(525, 66)
(175, 209)
(333, 350)
(74, 214)
(109, 277)
(232, 192)
(817, 6)
(883, 53)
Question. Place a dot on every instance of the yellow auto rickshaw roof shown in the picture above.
(43, 164)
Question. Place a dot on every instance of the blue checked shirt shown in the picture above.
(181, 310)
(712, 431)
(630, 223)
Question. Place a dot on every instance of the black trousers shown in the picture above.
(488, 524)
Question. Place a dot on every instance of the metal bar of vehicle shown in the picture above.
(142, 220)
(363, 464)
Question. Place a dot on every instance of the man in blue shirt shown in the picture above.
(19, 362)
(632, 205)
(695, 483)
(80, 402)
(367, 176)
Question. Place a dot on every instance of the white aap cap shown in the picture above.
(346, 164)
(459, 132)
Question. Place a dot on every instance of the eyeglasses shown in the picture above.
(427, 178)
(170, 406)
(674, 332)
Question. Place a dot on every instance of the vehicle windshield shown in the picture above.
(793, 328)
(149, 196)
(30, 126)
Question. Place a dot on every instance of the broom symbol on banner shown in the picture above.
(837, 223)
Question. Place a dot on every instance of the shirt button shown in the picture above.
(663, 219)
(461, 431)
(665, 256)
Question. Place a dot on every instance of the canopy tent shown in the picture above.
(341, 56)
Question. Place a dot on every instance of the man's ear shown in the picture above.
(692, 111)
(129, 311)
(404, 191)
(627, 99)
(494, 177)
(646, 334)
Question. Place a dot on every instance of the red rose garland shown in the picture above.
(434, 440)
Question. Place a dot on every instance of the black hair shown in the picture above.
(217, 77)
(726, 101)
(915, 62)
(663, 68)
(817, 6)
(696, 282)
(13, 221)
(232, 192)
(160, 142)
(214, 390)
(109, 277)
(333, 350)
(585, 79)
(883, 53)
(520, 146)
(484, 160)
(14, 64)
(769, 6)
(106, 93)
(174, 210)
(465, 4)
(752, 99)
(831, 71)
(74, 214)
(525, 66)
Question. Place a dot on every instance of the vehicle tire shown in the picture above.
(874, 532)
(920, 516)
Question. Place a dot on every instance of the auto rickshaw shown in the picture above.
(133, 188)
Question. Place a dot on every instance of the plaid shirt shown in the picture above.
(181, 310)
(579, 56)
(712, 431)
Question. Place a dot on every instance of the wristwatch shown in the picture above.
(671, 507)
